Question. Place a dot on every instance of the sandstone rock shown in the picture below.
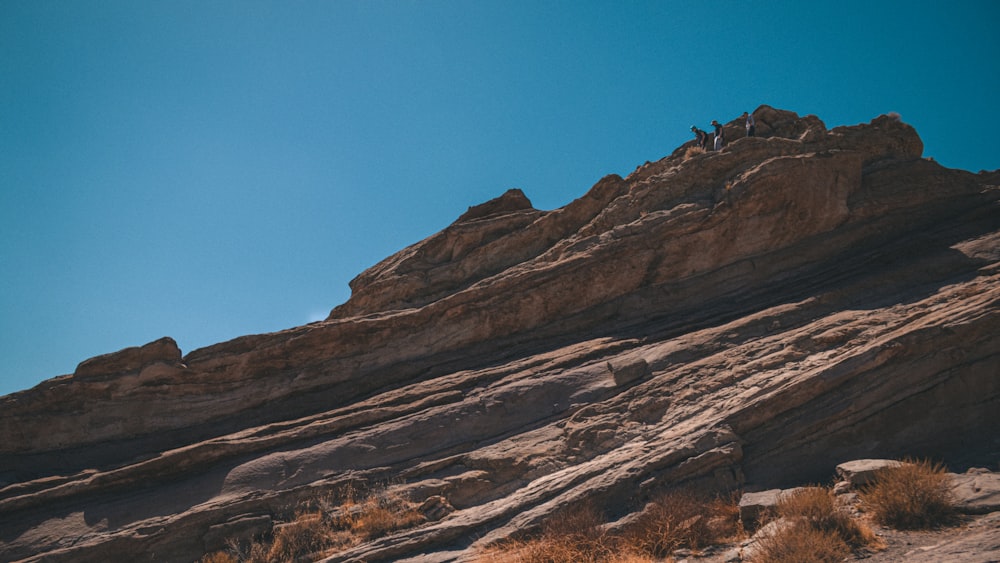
(750, 551)
(512, 201)
(863, 471)
(435, 507)
(742, 319)
(130, 360)
(242, 529)
(976, 542)
(756, 506)
(629, 372)
(976, 492)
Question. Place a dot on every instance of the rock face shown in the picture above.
(733, 319)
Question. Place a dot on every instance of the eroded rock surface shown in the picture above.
(736, 319)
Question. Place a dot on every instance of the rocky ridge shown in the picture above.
(737, 319)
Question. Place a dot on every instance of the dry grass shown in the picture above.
(816, 506)
(674, 520)
(352, 520)
(693, 152)
(812, 528)
(307, 534)
(801, 542)
(680, 519)
(377, 515)
(912, 495)
(573, 536)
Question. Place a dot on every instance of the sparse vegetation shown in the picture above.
(800, 542)
(307, 533)
(681, 519)
(674, 520)
(810, 527)
(218, 557)
(692, 152)
(912, 495)
(377, 515)
(573, 536)
(326, 527)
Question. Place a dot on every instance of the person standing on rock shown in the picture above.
(718, 135)
(701, 136)
(751, 125)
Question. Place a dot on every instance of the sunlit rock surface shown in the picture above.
(748, 318)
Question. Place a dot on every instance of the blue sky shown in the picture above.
(209, 169)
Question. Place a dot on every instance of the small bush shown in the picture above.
(680, 519)
(378, 515)
(339, 524)
(218, 557)
(812, 528)
(800, 542)
(674, 520)
(816, 506)
(307, 534)
(255, 552)
(693, 151)
(572, 536)
(912, 495)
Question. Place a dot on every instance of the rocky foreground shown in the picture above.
(744, 319)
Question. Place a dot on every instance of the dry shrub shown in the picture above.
(218, 557)
(812, 528)
(377, 515)
(572, 536)
(539, 550)
(674, 520)
(547, 551)
(631, 557)
(255, 552)
(693, 151)
(307, 534)
(815, 505)
(350, 522)
(679, 519)
(799, 542)
(912, 495)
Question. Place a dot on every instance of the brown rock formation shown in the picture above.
(741, 318)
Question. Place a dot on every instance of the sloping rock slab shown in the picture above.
(977, 491)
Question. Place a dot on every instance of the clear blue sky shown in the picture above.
(209, 169)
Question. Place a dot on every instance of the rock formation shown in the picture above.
(736, 319)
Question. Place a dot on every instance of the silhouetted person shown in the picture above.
(701, 136)
(751, 125)
(718, 135)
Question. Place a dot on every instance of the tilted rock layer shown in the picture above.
(732, 319)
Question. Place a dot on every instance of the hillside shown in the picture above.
(743, 319)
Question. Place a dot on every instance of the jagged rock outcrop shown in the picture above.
(726, 319)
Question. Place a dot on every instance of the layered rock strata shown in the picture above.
(726, 319)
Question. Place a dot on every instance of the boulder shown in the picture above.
(863, 471)
(629, 372)
(755, 507)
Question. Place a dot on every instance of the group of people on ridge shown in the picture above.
(702, 136)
